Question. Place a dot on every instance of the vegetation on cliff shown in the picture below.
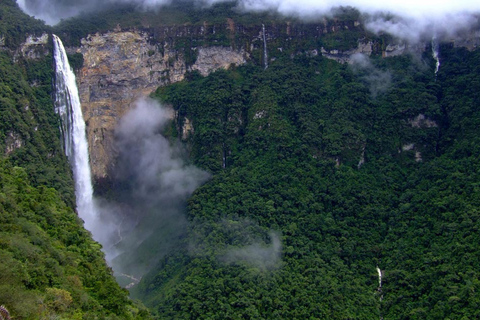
(348, 173)
(50, 266)
(190, 24)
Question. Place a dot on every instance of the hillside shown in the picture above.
(339, 169)
(347, 181)
(51, 267)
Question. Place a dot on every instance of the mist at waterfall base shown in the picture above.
(146, 219)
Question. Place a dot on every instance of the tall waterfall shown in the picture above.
(265, 56)
(67, 105)
(435, 54)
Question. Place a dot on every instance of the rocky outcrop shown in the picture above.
(421, 121)
(344, 56)
(187, 129)
(33, 48)
(214, 58)
(121, 66)
(13, 141)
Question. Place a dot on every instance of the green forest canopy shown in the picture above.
(293, 136)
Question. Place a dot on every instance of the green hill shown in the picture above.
(50, 266)
(293, 136)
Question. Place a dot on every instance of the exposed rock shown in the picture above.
(411, 147)
(119, 67)
(187, 129)
(34, 47)
(259, 114)
(392, 50)
(213, 58)
(418, 156)
(12, 142)
(344, 56)
(469, 40)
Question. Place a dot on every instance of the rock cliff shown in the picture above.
(123, 65)
(33, 48)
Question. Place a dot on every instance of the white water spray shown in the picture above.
(435, 54)
(379, 278)
(67, 105)
(380, 289)
(265, 56)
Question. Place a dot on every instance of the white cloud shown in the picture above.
(426, 9)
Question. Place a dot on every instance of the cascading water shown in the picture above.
(380, 289)
(265, 56)
(67, 105)
(435, 54)
(379, 279)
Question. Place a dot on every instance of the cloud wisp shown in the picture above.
(260, 255)
(237, 241)
(378, 81)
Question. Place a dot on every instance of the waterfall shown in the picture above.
(67, 105)
(265, 56)
(379, 279)
(380, 289)
(435, 54)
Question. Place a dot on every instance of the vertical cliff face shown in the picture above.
(121, 66)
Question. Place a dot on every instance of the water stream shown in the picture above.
(265, 55)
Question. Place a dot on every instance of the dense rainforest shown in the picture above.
(348, 174)
(338, 191)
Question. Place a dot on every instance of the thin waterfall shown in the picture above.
(435, 54)
(265, 56)
(67, 105)
(380, 272)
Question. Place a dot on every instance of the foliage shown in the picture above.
(51, 268)
(28, 125)
(15, 25)
(284, 145)
(50, 265)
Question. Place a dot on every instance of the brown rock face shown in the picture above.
(119, 67)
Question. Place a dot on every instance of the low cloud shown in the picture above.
(152, 183)
(237, 241)
(378, 81)
(148, 161)
(261, 255)
(409, 20)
